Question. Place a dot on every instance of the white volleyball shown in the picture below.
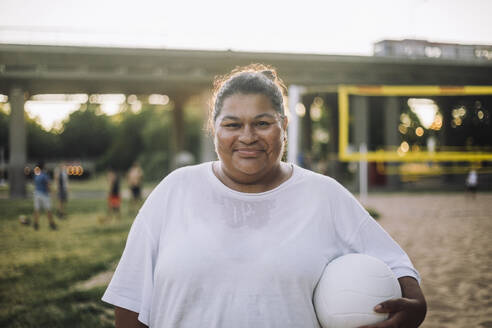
(349, 289)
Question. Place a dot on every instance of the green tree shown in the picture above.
(86, 134)
(41, 144)
(156, 138)
(127, 143)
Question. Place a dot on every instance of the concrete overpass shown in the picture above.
(34, 69)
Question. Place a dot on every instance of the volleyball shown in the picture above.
(23, 219)
(349, 289)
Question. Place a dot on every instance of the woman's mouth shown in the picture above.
(248, 152)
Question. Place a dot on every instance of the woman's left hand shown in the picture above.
(406, 312)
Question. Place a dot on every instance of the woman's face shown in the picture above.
(249, 136)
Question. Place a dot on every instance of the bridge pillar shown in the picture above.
(17, 144)
(392, 137)
(306, 134)
(293, 129)
(361, 132)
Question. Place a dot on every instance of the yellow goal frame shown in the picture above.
(344, 91)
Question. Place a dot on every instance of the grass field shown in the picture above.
(41, 271)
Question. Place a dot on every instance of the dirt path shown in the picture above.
(449, 239)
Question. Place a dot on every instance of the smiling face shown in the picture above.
(249, 137)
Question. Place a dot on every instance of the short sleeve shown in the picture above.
(360, 233)
(132, 283)
(372, 239)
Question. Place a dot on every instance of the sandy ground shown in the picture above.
(449, 239)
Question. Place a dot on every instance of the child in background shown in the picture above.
(114, 198)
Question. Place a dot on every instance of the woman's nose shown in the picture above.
(247, 135)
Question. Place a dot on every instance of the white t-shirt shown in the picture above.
(200, 254)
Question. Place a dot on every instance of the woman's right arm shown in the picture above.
(126, 319)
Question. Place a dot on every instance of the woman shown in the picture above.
(242, 242)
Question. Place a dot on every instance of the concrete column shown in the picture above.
(392, 136)
(361, 131)
(295, 93)
(17, 144)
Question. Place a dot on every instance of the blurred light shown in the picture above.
(300, 110)
(110, 108)
(3, 98)
(419, 131)
(50, 113)
(155, 99)
(483, 53)
(315, 113)
(80, 98)
(136, 106)
(425, 109)
(404, 146)
(5, 108)
(75, 170)
(132, 99)
(402, 128)
(321, 136)
(437, 124)
(480, 115)
(115, 98)
(433, 52)
(318, 101)
(405, 119)
(459, 112)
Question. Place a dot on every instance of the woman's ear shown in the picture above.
(285, 122)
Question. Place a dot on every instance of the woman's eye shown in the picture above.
(232, 125)
(263, 124)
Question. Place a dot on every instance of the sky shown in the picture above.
(347, 27)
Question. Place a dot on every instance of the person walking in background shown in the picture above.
(472, 182)
(42, 200)
(61, 182)
(134, 179)
(114, 199)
